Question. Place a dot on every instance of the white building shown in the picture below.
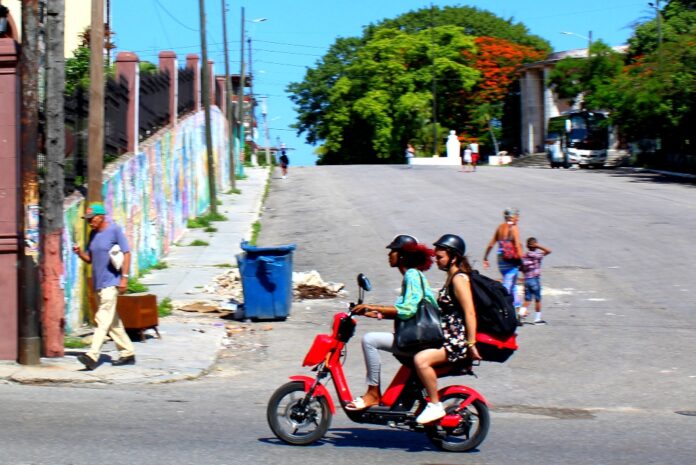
(538, 102)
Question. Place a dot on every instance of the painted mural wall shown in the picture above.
(151, 195)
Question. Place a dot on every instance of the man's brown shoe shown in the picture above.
(87, 361)
(129, 360)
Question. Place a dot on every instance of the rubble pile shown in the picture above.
(228, 284)
(305, 285)
(309, 285)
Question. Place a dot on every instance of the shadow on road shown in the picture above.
(407, 441)
(649, 177)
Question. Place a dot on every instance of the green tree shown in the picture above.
(77, 70)
(590, 78)
(369, 96)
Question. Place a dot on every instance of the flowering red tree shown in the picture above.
(498, 61)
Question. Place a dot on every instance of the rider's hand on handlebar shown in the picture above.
(359, 309)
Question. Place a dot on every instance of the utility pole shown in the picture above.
(53, 196)
(589, 43)
(95, 138)
(264, 113)
(228, 93)
(252, 101)
(240, 97)
(206, 104)
(29, 343)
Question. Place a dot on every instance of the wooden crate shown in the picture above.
(138, 313)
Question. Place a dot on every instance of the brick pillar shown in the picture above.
(211, 76)
(9, 198)
(167, 62)
(192, 63)
(221, 93)
(127, 67)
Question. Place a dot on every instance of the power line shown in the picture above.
(291, 45)
(174, 18)
(287, 53)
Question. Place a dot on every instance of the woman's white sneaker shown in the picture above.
(431, 413)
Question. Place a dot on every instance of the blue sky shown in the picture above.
(295, 34)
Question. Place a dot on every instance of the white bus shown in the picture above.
(578, 137)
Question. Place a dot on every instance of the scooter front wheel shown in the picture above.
(295, 417)
(470, 431)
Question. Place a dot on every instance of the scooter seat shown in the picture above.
(460, 368)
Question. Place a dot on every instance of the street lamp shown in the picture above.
(588, 38)
(658, 19)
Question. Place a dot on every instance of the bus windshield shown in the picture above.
(588, 131)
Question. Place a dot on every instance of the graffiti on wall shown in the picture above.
(151, 195)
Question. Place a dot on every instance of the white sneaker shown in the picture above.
(431, 413)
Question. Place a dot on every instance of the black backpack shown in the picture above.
(495, 308)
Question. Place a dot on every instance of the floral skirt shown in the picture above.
(455, 337)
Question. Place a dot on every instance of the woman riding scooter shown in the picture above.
(458, 322)
(411, 258)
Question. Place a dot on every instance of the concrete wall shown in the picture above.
(151, 194)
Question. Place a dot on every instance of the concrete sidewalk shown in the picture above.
(189, 343)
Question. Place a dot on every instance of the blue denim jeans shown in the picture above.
(509, 270)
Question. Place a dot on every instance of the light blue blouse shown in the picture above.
(412, 293)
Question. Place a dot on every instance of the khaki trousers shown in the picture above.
(108, 322)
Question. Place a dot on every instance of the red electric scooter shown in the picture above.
(299, 412)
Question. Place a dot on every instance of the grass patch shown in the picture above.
(198, 222)
(218, 202)
(210, 229)
(135, 286)
(165, 308)
(204, 221)
(266, 190)
(241, 177)
(234, 191)
(70, 342)
(159, 266)
(255, 230)
(199, 243)
(224, 265)
(216, 217)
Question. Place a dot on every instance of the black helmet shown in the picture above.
(452, 242)
(400, 241)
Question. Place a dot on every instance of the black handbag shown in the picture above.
(422, 331)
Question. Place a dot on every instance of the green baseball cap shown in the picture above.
(94, 209)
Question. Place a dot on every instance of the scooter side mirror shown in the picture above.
(364, 283)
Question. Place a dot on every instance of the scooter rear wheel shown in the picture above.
(471, 430)
(296, 418)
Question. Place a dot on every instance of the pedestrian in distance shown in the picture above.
(411, 258)
(109, 281)
(284, 162)
(458, 317)
(409, 154)
(466, 160)
(531, 267)
(509, 251)
(474, 154)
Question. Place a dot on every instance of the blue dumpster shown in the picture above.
(266, 281)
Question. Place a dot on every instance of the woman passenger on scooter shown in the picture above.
(411, 258)
(458, 322)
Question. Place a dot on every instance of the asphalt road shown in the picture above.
(601, 384)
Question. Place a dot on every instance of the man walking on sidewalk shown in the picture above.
(109, 281)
